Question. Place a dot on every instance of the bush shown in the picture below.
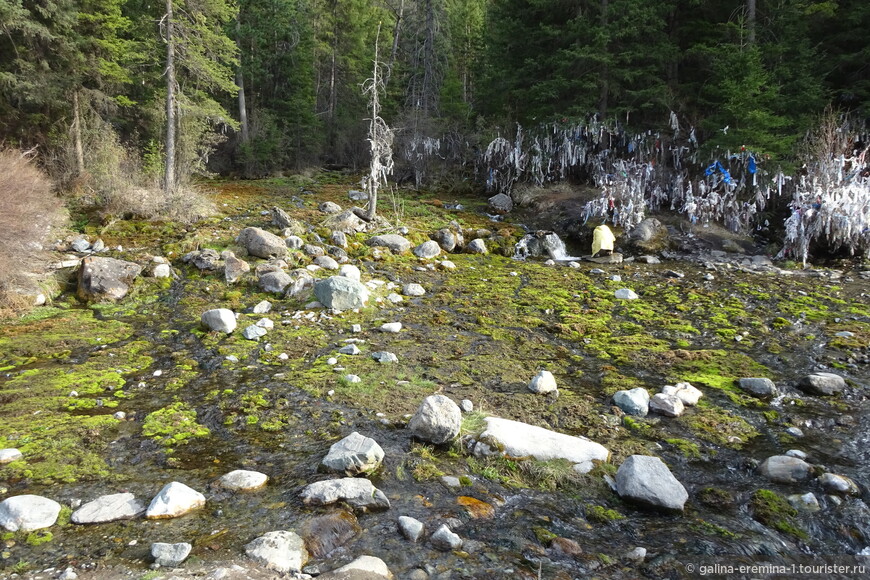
(30, 211)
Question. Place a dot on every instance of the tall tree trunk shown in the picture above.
(240, 81)
(333, 67)
(750, 22)
(77, 135)
(399, 15)
(429, 89)
(169, 168)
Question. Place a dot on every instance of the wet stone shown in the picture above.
(822, 384)
(9, 455)
(170, 555)
(243, 480)
(359, 493)
(685, 392)
(667, 405)
(25, 513)
(838, 484)
(785, 469)
(282, 551)
(175, 499)
(445, 540)
(353, 455)
(759, 387)
(363, 568)
(109, 508)
(633, 402)
(648, 481)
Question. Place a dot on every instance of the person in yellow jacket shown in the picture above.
(602, 241)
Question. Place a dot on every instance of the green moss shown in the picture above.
(173, 425)
(716, 498)
(686, 448)
(712, 529)
(717, 425)
(602, 515)
(543, 535)
(775, 512)
(39, 537)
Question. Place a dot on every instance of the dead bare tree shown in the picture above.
(380, 137)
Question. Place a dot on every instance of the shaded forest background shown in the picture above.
(273, 85)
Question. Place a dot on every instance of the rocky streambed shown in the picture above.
(131, 396)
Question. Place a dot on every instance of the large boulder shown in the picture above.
(357, 492)
(822, 384)
(175, 499)
(501, 203)
(219, 320)
(341, 293)
(263, 244)
(274, 282)
(109, 508)
(646, 480)
(649, 235)
(449, 239)
(353, 455)
(106, 279)
(282, 551)
(25, 513)
(437, 420)
(515, 439)
(347, 222)
(785, 469)
(633, 401)
(394, 242)
(760, 387)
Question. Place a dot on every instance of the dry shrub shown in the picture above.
(30, 211)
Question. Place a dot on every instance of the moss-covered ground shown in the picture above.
(481, 332)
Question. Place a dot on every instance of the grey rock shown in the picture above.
(262, 307)
(263, 244)
(294, 242)
(428, 249)
(234, 268)
(647, 481)
(207, 259)
(339, 239)
(650, 235)
(105, 279)
(449, 239)
(353, 455)
(219, 320)
(838, 484)
(281, 219)
(466, 406)
(806, 502)
(396, 243)
(161, 271)
(626, 294)
(413, 290)
(352, 379)
(326, 263)
(795, 432)
(437, 420)
(274, 282)
(25, 513)
(362, 568)
(384, 357)
(109, 508)
(785, 469)
(445, 540)
(357, 492)
(796, 453)
(822, 384)
(542, 383)
(516, 439)
(500, 203)
(329, 207)
(347, 222)
(313, 250)
(759, 387)
(356, 195)
(685, 392)
(301, 285)
(350, 349)
(392, 327)
(667, 405)
(282, 551)
(350, 271)
(648, 260)
(254, 332)
(477, 246)
(242, 480)
(175, 499)
(633, 402)
(411, 528)
(9, 455)
(170, 555)
(341, 293)
(80, 245)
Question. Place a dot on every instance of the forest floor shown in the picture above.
(200, 404)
